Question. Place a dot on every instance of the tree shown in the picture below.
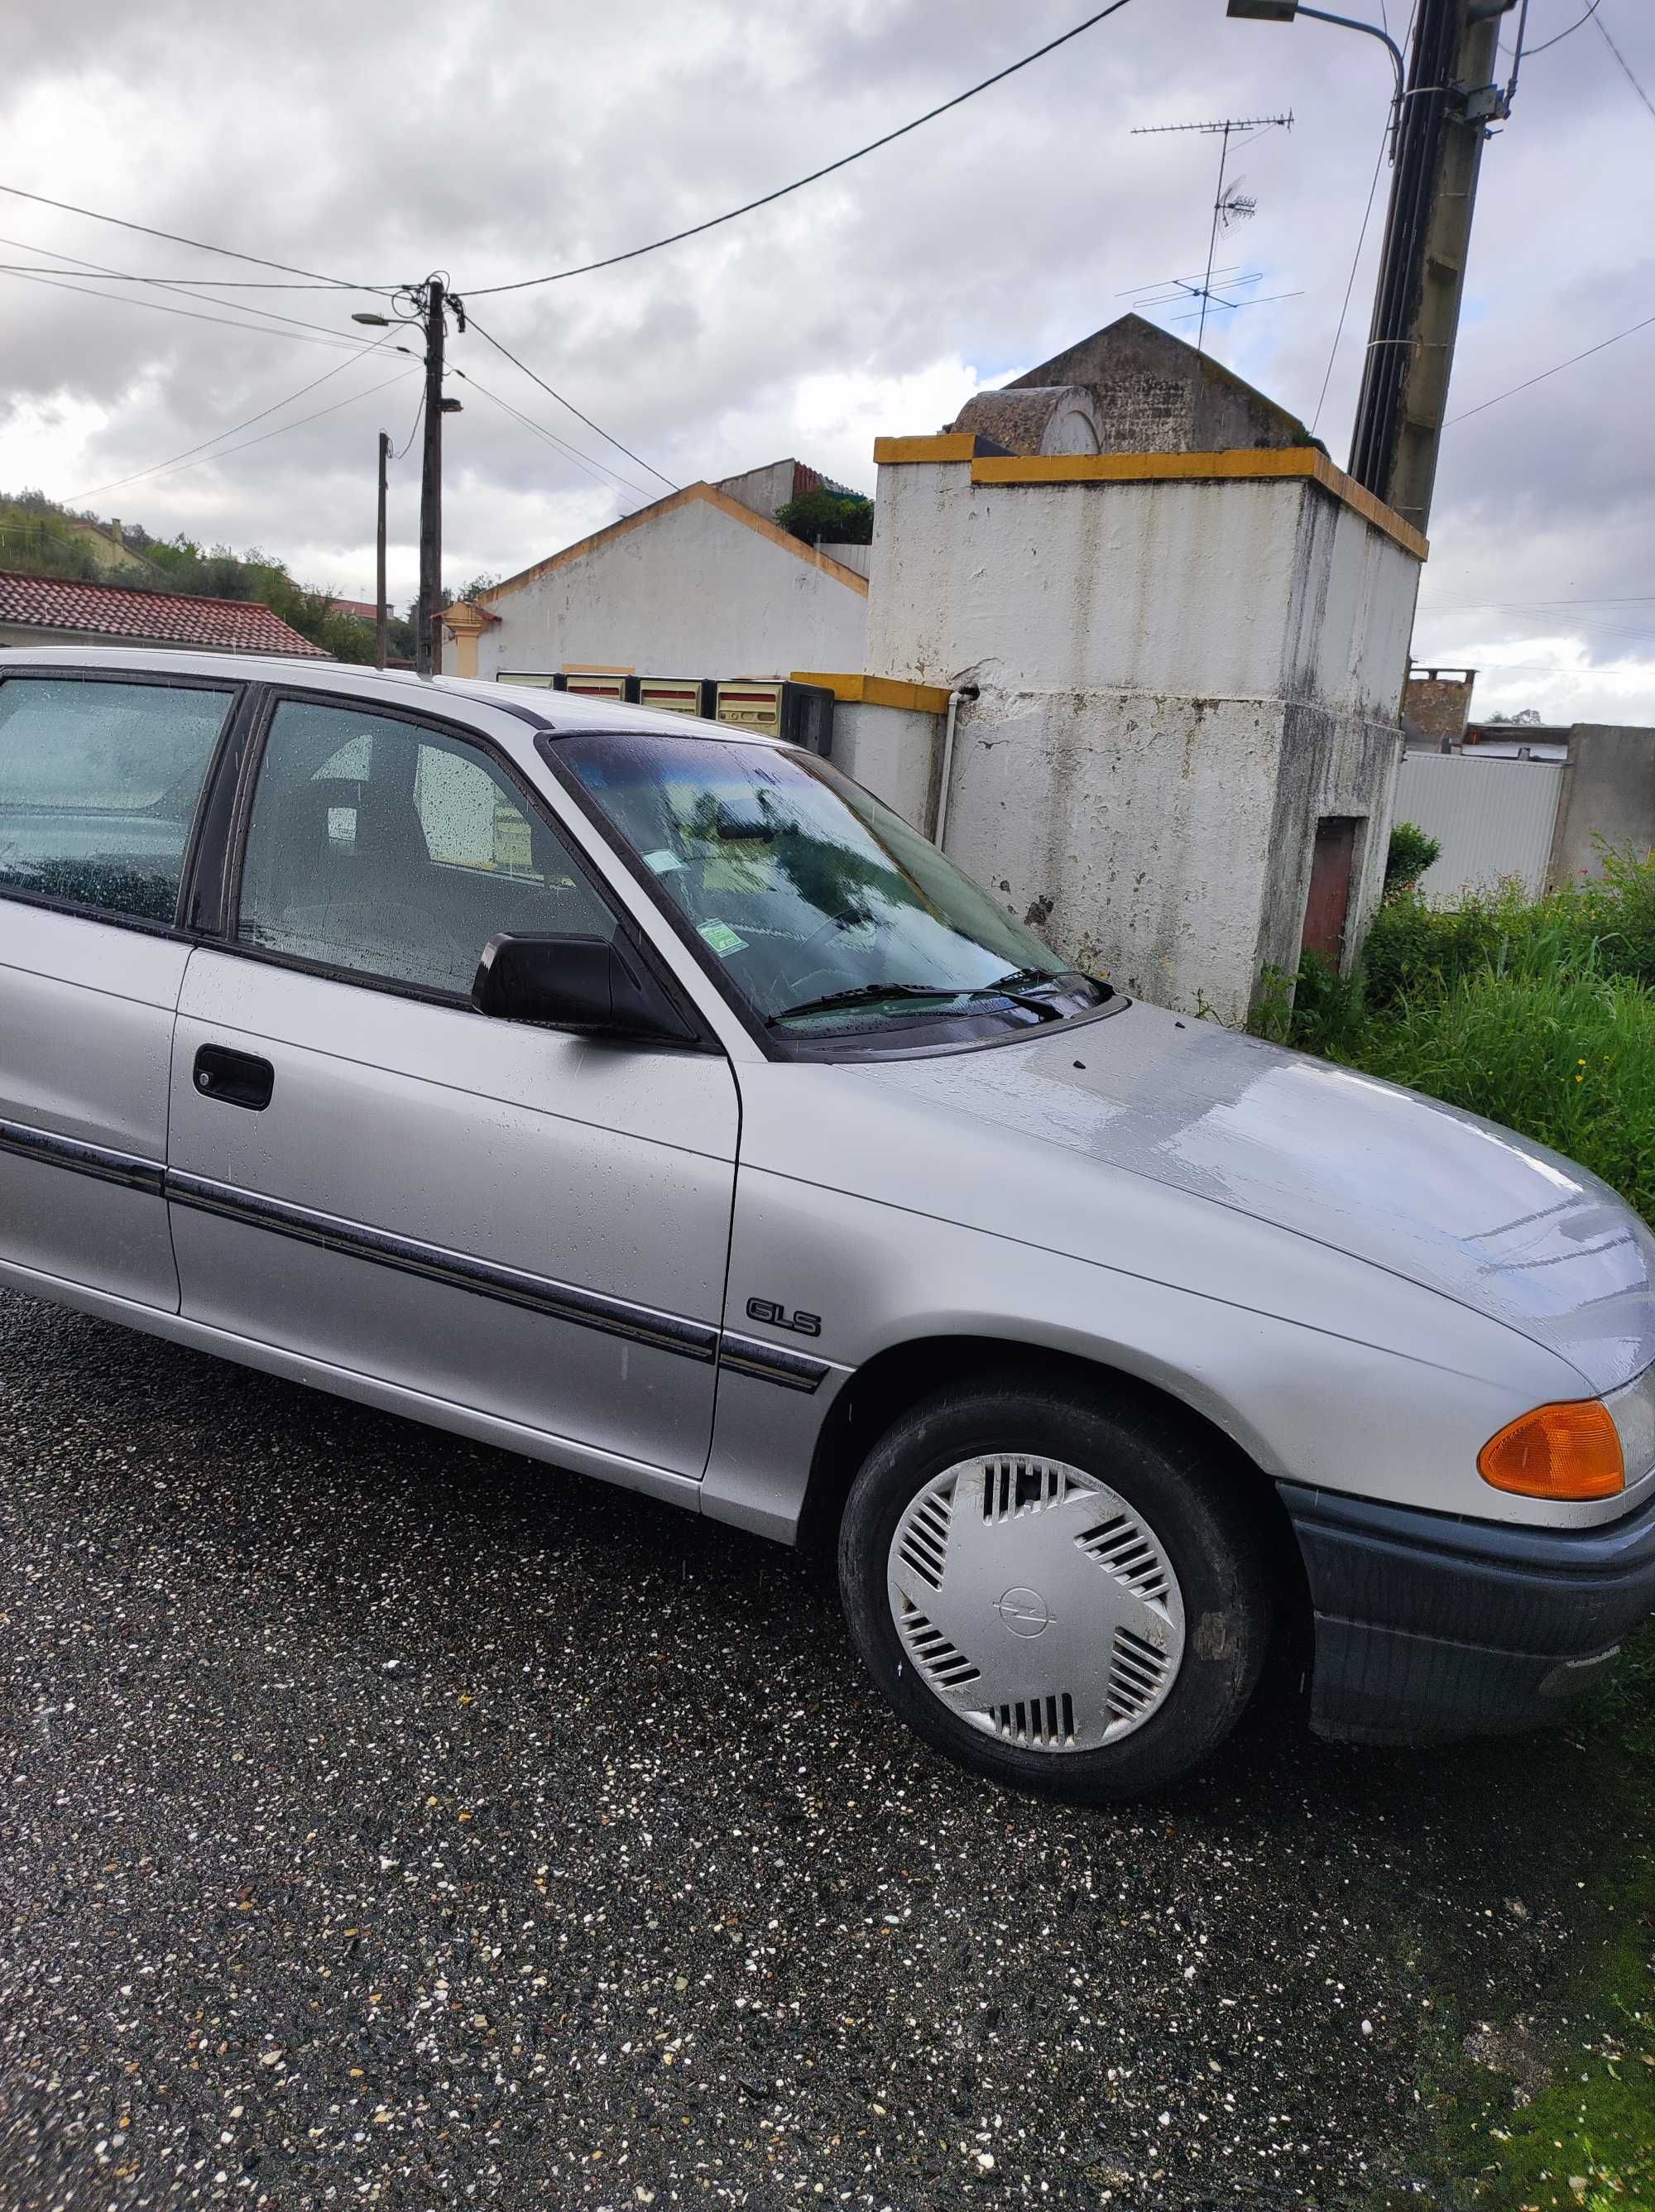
(1526, 717)
(830, 518)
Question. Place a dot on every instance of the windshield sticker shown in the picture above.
(723, 939)
(662, 862)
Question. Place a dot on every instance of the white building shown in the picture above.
(704, 583)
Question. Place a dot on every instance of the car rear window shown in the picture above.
(99, 785)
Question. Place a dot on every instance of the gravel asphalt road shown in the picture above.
(387, 1821)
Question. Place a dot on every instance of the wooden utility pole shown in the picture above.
(1449, 101)
(380, 612)
(427, 653)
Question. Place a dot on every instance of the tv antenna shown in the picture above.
(1231, 207)
(1176, 291)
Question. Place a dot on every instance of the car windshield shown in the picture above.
(826, 911)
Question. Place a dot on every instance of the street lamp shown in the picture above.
(376, 322)
(1289, 11)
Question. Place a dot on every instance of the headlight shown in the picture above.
(1633, 1411)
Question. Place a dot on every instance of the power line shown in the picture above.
(419, 417)
(767, 199)
(596, 469)
(193, 315)
(1463, 606)
(573, 409)
(274, 407)
(1625, 65)
(1557, 668)
(1350, 281)
(227, 253)
(166, 467)
(1553, 371)
(1561, 35)
(101, 269)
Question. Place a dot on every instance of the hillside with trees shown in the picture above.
(39, 538)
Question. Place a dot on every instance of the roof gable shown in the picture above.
(641, 517)
(1155, 394)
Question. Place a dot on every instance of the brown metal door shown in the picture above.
(1329, 903)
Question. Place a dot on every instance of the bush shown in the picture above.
(1409, 853)
(831, 518)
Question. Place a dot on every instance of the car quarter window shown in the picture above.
(99, 784)
(394, 851)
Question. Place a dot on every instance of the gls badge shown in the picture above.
(802, 1324)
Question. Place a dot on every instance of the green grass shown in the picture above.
(1542, 1016)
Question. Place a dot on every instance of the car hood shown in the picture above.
(1444, 1199)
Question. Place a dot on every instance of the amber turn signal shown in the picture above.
(1568, 1451)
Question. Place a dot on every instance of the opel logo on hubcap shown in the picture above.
(1024, 1613)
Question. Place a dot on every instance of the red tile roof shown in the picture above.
(53, 602)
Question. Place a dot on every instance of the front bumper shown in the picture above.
(1430, 1627)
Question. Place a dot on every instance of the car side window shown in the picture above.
(99, 785)
(392, 851)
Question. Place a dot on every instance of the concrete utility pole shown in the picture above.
(427, 653)
(1451, 98)
(381, 611)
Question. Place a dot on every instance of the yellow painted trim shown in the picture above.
(464, 618)
(1242, 464)
(950, 446)
(712, 497)
(1362, 501)
(854, 689)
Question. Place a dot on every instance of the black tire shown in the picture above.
(1193, 1500)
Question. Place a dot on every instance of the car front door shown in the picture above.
(362, 1170)
(100, 781)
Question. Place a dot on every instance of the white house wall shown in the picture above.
(1177, 680)
(1351, 615)
(691, 592)
(1180, 587)
(892, 750)
(1132, 830)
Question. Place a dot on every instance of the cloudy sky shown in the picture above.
(374, 143)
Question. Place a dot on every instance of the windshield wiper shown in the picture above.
(865, 993)
(1026, 980)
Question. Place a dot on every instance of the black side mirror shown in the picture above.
(590, 983)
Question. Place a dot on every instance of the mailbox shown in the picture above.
(591, 684)
(801, 713)
(678, 695)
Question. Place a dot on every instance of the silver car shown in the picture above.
(645, 1097)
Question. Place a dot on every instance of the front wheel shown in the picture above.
(1063, 1596)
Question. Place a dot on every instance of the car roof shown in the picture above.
(556, 711)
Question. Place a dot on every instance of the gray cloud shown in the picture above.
(494, 141)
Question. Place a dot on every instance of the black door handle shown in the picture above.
(238, 1078)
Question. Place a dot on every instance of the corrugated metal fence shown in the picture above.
(1495, 817)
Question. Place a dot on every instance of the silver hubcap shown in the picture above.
(1035, 1603)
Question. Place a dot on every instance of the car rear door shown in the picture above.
(365, 1171)
(101, 782)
